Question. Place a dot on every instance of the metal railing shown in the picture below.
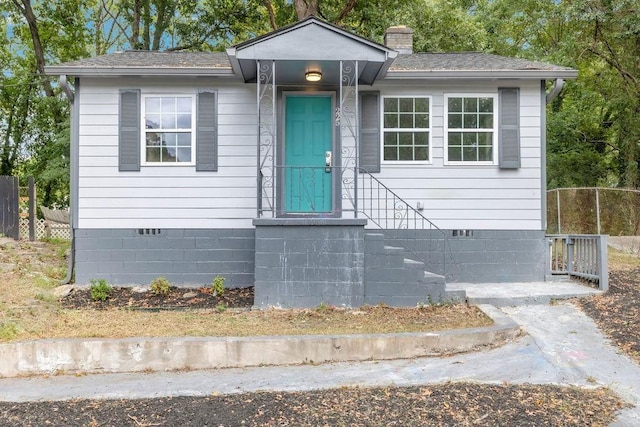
(580, 255)
(335, 190)
(402, 222)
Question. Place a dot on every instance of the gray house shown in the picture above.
(316, 164)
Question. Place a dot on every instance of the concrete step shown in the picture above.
(413, 264)
(395, 280)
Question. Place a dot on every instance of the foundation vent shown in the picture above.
(149, 231)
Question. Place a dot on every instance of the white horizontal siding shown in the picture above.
(468, 196)
(454, 196)
(166, 196)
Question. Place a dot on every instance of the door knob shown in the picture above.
(327, 161)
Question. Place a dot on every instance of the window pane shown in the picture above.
(153, 139)
(406, 105)
(405, 138)
(152, 121)
(455, 104)
(184, 155)
(455, 154)
(152, 105)
(168, 105)
(486, 105)
(153, 154)
(184, 105)
(485, 138)
(469, 139)
(421, 138)
(455, 138)
(486, 121)
(168, 121)
(422, 120)
(455, 121)
(390, 105)
(169, 139)
(390, 138)
(470, 105)
(405, 153)
(406, 121)
(184, 121)
(168, 155)
(391, 120)
(470, 121)
(390, 153)
(469, 154)
(184, 139)
(422, 153)
(485, 154)
(422, 105)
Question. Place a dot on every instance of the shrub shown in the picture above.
(160, 286)
(217, 286)
(100, 289)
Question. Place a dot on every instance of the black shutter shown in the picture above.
(509, 128)
(206, 132)
(370, 131)
(129, 130)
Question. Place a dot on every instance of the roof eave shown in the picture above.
(481, 74)
(138, 71)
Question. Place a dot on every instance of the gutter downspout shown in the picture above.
(64, 84)
(555, 90)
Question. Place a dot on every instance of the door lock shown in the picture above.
(327, 161)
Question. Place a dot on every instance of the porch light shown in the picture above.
(313, 76)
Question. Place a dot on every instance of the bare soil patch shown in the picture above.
(450, 404)
(176, 299)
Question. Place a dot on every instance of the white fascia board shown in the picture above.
(138, 71)
(477, 74)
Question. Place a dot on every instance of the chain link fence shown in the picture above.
(592, 210)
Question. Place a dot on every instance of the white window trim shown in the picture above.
(143, 130)
(494, 140)
(429, 129)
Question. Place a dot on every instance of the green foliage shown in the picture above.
(100, 289)
(217, 286)
(221, 308)
(8, 330)
(160, 286)
(593, 126)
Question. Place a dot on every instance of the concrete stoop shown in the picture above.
(398, 281)
(78, 356)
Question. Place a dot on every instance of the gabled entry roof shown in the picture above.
(310, 44)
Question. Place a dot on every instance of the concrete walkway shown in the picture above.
(562, 346)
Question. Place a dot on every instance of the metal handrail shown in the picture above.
(377, 199)
(364, 195)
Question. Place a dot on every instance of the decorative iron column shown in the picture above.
(348, 126)
(267, 126)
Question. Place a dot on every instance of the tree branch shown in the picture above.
(272, 14)
(348, 8)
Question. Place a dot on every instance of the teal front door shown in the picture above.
(308, 143)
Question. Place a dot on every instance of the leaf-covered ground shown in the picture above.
(617, 312)
(453, 404)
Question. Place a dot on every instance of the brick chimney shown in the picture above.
(399, 38)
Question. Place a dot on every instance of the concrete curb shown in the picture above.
(69, 356)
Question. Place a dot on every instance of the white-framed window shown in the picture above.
(168, 136)
(406, 129)
(470, 133)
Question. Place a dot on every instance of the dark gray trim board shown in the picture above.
(183, 256)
